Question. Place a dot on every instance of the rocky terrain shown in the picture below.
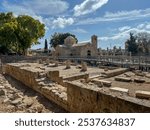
(17, 98)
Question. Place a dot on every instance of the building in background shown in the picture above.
(73, 49)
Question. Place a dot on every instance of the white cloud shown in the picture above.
(124, 28)
(38, 7)
(124, 34)
(120, 37)
(88, 6)
(79, 30)
(122, 13)
(62, 22)
(43, 10)
(118, 16)
(141, 26)
(148, 26)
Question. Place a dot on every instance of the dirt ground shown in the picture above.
(17, 98)
(132, 86)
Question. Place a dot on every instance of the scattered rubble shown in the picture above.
(16, 97)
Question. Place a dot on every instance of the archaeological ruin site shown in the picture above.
(43, 84)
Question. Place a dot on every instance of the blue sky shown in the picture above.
(110, 20)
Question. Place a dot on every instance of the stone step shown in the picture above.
(117, 89)
(142, 94)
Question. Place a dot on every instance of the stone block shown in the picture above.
(52, 75)
(56, 64)
(123, 79)
(142, 94)
(95, 76)
(106, 69)
(2, 87)
(40, 61)
(148, 75)
(16, 101)
(83, 66)
(68, 64)
(76, 77)
(45, 89)
(139, 73)
(138, 80)
(117, 89)
(2, 92)
(47, 61)
(114, 72)
(102, 82)
(28, 101)
(127, 75)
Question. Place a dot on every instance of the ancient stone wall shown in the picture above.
(75, 96)
(16, 58)
(83, 99)
(33, 79)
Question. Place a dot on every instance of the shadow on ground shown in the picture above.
(52, 107)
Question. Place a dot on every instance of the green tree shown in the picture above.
(8, 25)
(58, 38)
(28, 32)
(143, 41)
(132, 46)
(46, 46)
(19, 33)
(6, 18)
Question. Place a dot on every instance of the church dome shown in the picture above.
(69, 41)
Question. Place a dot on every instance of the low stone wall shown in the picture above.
(17, 58)
(83, 99)
(30, 79)
(25, 76)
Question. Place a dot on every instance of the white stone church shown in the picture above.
(73, 49)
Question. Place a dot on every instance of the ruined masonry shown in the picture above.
(79, 91)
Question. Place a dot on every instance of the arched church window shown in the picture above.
(88, 53)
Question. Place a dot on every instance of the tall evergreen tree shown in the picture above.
(132, 46)
(46, 46)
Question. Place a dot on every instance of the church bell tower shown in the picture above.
(94, 41)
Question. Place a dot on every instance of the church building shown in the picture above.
(73, 49)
